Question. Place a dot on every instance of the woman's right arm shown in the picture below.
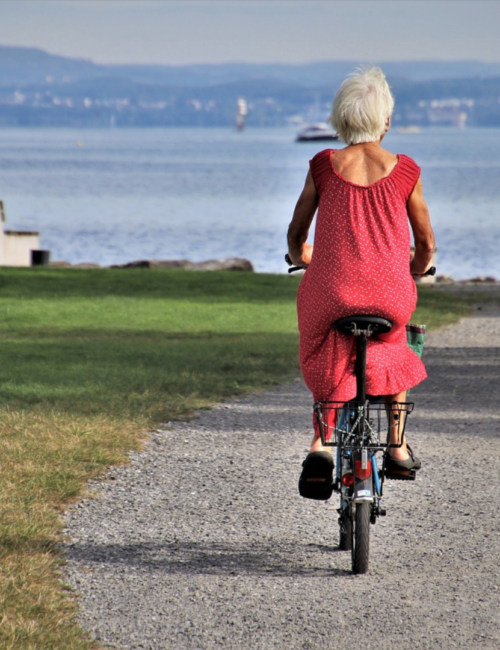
(423, 235)
(298, 230)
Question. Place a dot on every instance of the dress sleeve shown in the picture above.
(408, 173)
(320, 167)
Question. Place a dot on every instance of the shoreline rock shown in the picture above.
(488, 279)
(228, 264)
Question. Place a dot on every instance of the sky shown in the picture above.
(180, 32)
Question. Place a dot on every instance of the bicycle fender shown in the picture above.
(363, 490)
(363, 477)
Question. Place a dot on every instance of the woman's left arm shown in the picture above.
(298, 230)
(423, 234)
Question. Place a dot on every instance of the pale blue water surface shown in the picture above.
(117, 195)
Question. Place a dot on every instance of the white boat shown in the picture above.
(317, 132)
(241, 113)
(408, 129)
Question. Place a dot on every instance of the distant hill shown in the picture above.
(38, 89)
(324, 73)
(23, 67)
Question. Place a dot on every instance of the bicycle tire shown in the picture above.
(345, 529)
(361, 538)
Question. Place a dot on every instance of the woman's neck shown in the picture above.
(374, 143)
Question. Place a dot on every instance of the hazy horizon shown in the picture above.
(422, 60)
(193, 32)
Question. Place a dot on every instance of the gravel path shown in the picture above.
(203, 541)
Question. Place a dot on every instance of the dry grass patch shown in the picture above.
(47, 458)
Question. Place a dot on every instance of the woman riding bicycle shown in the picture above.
(365, 197)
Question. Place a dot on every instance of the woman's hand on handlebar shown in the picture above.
(294, 267)
(302, 258)
(421, 267)
(430, 271)
(291, 267)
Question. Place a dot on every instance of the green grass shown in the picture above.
(88, 361)
(437, 307)
(142, 342)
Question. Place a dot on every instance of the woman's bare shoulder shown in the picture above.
(365, 154)
(364, 165)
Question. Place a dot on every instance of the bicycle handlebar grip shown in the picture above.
(430, 271)
(292, 269)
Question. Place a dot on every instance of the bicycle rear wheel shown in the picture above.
(345, 529)
(361, 538)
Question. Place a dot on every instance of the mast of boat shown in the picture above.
(241, 113)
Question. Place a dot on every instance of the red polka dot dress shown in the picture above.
(360, 265)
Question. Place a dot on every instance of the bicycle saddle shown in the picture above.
(376, 324)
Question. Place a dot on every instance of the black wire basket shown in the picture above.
(361, 424)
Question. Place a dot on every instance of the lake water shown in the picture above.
(113, 196)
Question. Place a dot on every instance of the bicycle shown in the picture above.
(360, 429)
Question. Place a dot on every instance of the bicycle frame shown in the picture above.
(360, 429)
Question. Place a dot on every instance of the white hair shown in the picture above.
(362, 106)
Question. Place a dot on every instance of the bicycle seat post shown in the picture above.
(361, 326)
(360, 366)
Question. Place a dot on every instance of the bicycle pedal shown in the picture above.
(401, 475)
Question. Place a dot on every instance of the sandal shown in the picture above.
(403, 470)
(316, 480)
